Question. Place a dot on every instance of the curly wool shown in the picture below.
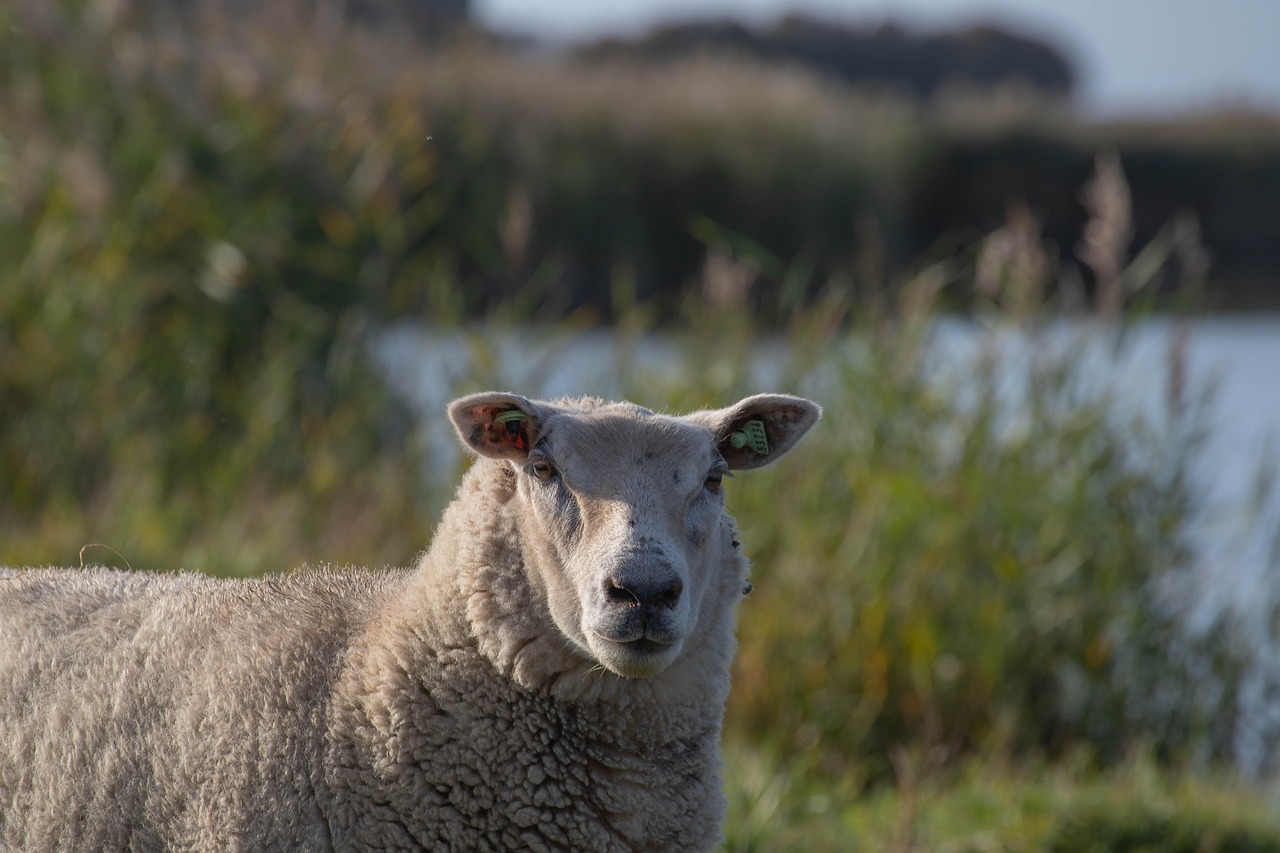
(348, 709)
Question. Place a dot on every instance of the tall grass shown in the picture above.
(980, 554)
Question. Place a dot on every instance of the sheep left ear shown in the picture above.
(758, 430)
(496, 424)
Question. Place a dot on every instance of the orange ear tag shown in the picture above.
(512, 421)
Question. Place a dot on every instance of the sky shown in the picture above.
(1147, 57)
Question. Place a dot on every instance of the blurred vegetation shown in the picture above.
(191, 273)
(984, 557)
(992, 807)
(923, 65)
(989, 549)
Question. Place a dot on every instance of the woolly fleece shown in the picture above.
(437, 708)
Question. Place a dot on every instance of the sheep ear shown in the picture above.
(497, 425)
(756, 431)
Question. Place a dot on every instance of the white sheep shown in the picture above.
(551, 676)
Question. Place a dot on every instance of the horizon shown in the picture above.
(1142, 58)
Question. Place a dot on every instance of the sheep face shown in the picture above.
(622, 515)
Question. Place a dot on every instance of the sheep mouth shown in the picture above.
(646, 646)
(637, 658)
(638, 632)
(643, 643)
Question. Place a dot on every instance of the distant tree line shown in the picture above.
(426, 21)
(888, 56)
(497, 176)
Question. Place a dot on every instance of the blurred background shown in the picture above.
(1017, 592)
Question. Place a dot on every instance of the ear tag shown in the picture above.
(751, 435)
(512, 420)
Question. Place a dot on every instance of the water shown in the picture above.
(1240, 360)
(1231, 378)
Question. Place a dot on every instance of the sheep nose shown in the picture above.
(648, 594)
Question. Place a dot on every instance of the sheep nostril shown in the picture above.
(670, 596)
(618, 593)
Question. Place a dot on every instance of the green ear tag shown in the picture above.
(752, 434)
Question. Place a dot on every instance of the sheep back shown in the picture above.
(149, 712)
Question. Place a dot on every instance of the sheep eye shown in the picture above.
(543, 470)
(713, 481)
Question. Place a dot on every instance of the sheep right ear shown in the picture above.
(496, 425)
(756, 431)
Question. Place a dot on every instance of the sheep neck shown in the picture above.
(469, 656)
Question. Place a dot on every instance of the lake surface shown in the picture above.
(1232, 365)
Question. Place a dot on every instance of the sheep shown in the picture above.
(552, 674)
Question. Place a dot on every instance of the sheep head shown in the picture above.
(622, 512)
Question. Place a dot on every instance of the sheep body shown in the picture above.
(436, 708)
(147, 712)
